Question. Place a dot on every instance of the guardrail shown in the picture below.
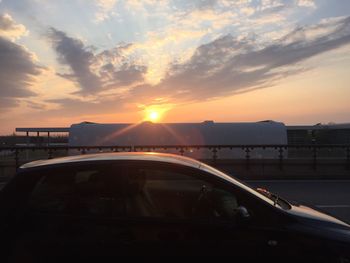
(313, 152)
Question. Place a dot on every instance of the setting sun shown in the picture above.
(153, 116)
(154, 113)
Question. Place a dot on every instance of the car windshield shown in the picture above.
(272, 200)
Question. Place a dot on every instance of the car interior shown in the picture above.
(139, 192)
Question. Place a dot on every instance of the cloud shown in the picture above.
(200, 4)
(106, 5)
(306, 3)
(10, 29)
(105, 8)
(35, 105)
(73, 53)
(115, 70)
(271, 4)
(227, 65)
(94, 72)
(77, 106)
(18, 72)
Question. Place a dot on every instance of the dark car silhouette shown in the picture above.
(151, 204)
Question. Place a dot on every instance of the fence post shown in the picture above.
(215, 156)
(280, 157)
(182, 151)
(314, 157)
(49, 153)
(16, 158)
(348, 158)
(247, 158)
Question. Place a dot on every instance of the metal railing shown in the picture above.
(312, 152)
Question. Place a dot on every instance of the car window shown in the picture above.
(166, 192)
(79, 192)
(235, 181)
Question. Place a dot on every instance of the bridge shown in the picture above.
(318, 175)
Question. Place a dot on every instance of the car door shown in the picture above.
(177, 210)
(75, 211)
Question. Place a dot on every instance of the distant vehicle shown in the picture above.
(152, 204)
(177, 134)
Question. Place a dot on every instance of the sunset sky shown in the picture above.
(112, 61)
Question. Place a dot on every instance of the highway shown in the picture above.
(331, 196)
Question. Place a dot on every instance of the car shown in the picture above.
(156, 204)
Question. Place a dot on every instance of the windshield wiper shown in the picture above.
(277, 200)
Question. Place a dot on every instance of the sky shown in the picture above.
(115, 61)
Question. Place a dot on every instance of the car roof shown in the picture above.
(120, 156)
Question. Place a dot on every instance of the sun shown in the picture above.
(155, 113)
(153, 116)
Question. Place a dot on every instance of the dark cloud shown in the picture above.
(94, 72)
(116, 70)
(73, 53)
(17, 73)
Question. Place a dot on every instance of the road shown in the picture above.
(331, 196)
(327, 195)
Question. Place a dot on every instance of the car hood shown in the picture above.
(322, 226)
(308, 213)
